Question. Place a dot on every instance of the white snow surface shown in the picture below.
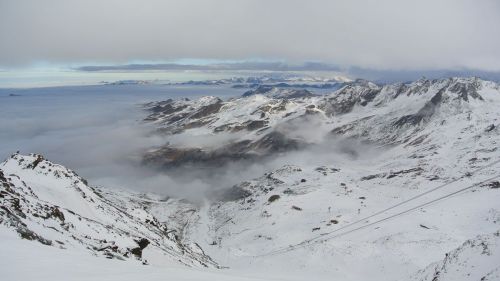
(307, 233)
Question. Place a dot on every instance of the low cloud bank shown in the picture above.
(98, 132)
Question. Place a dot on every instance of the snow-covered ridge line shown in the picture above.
(267, 120)
(481, 253)
(51, 204)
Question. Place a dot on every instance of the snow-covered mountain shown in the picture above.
(369, 182)
(51, 204)
(408, 115)
(371, 147)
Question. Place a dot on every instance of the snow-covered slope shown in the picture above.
(413, 114)
(51, 204)
(370, 182)
(355, 152)
(24, 260)
(475, 259)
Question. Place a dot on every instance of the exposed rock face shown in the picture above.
(168, 156)
(407, 109)
(178, 115)
(424, 114)
(360, 92)
(279, 93)
(142, 244)
(273, 142)
(250, 125)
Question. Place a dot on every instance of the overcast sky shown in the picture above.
(388, 34)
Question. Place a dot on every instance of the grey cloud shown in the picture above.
(389, 34)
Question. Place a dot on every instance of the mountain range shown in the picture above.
(394, 182)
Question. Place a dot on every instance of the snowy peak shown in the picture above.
(56, 184)
(51, 204)
(401, 110)
(361, 92)
(246, 126)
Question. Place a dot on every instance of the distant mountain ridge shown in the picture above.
(262, 120)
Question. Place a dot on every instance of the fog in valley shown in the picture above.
(99, 132)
